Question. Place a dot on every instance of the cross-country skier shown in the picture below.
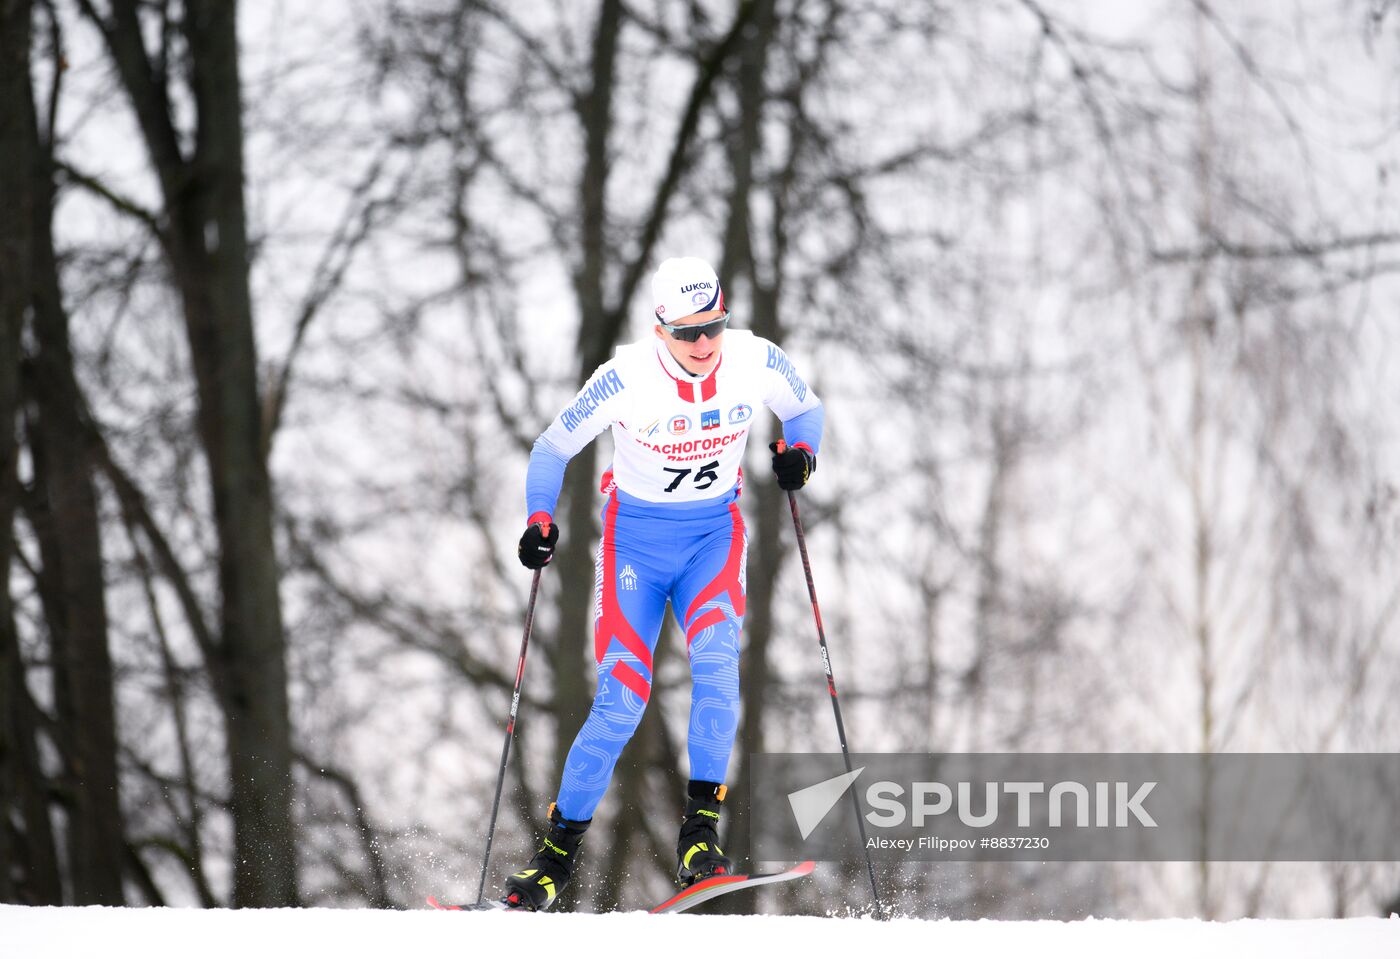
(681, 405)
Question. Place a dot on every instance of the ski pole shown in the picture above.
(831, 687)
(510, 731)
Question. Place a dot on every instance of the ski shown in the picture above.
(486, 905)
(707, 889)
(690, 896)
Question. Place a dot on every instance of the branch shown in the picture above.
(378, 890)
(533, 46)
(117, 201)
(174, 689)
(1251, 68)
(137, 512)
(900, 162)
(60, 66)
(149, 98)
(682, 154)
(350, 234)
(557, 222)
(1296, 249)
(418, 632)
(1081, 75)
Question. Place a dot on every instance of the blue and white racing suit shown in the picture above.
(672, 530)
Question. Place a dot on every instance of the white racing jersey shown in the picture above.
(678, 438)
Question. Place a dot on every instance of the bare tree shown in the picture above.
(202, 230)
(27, 849)
(62, 509)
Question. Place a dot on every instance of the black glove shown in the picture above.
(793, 465)
(536, 546)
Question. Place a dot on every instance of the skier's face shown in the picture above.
(700, 356)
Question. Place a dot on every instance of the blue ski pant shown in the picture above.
(694, 556)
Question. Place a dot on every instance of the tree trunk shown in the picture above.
(769, 509)
(27, 849)
(219, 324)
(206, 244)
(65, 518)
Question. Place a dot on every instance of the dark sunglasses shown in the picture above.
(693, 332)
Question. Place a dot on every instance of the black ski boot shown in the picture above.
(698, 855)
(537, 885)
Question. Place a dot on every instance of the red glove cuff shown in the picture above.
(543, 518)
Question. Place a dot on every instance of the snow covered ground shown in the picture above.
(34, 933)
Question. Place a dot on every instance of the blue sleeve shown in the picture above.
(544, 477)
(592, 410)
(806, 428)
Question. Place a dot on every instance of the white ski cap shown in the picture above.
(682, 286)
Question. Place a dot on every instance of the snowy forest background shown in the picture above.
(1100, 298)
